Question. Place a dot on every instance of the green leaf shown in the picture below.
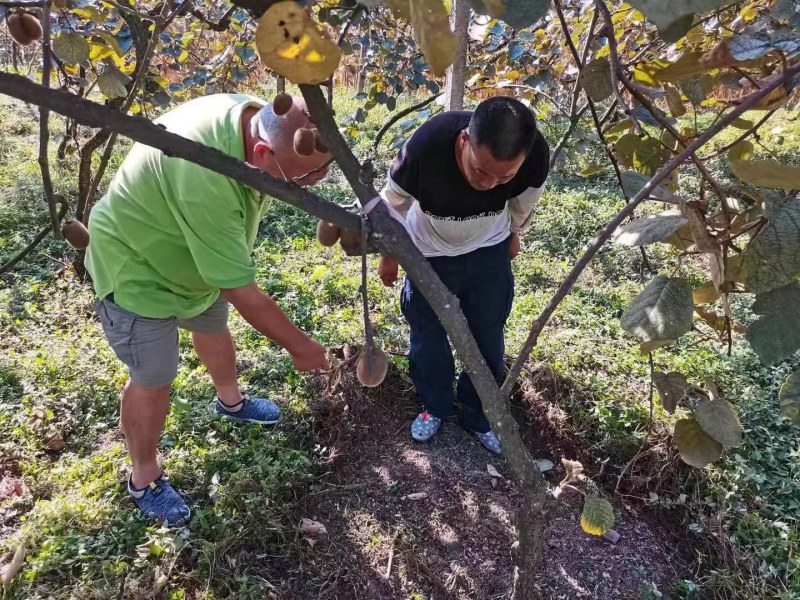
(663, 311)
(776, 334)
(520, 14)
(650, 156)
(719, 419)
(790, 397)
(650, 229)
(665, 14)
(112, 82)
(696, 447)
(671, 388)
(597, 516)
(772, 258)
(741, 123)
(626, 147)
(71, 47)
(596, 79)
(677, 29)
(767, 173)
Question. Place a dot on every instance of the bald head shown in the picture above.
(273, 137)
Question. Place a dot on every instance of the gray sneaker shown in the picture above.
(489, 441)
(425, 427)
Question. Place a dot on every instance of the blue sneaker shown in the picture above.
(160, 500)
(250, 410)
(489, 441)
(425, 427)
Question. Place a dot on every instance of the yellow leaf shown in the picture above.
(292, 44)
(661, 71)
(705, 294)
(591, 170)
(432, 30)
(100, 51)
(767, 173)
(741, 151)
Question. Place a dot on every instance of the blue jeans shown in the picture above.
(484, 284)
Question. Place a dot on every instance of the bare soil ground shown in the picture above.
(409, 520)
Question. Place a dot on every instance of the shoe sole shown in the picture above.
(239, 420)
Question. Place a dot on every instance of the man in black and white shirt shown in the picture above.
(466, 184)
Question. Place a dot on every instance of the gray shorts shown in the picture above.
(149, 347)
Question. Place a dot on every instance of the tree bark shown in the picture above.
(457, 72)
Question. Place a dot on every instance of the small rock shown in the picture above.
(544, 465)
(611, 536)
(554, 542)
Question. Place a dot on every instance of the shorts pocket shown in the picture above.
(118, 326)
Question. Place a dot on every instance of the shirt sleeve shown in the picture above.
(521, 206)
(209, 211)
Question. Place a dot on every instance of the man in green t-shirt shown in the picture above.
(170, 247)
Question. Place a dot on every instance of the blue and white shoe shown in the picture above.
(250, 410)
(489, 441)
(425, 427)
(160, 500)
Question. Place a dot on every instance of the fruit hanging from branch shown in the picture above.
(282, 104)
(327, 233)
(304, 141)
(24, 28)
(76, 234)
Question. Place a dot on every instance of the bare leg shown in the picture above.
(143, 413)
(218, 354)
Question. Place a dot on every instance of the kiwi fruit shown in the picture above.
(24, 28)
(319, 143)
(378, 366)
(350, 241)
(76, 234)
(327, 233)
(304, 141)
(282, 104)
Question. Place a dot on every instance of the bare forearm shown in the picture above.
(264, 314)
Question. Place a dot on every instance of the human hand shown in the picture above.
(387, 270)
(514, 247)
(310, 356)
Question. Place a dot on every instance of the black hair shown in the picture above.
(505, 125)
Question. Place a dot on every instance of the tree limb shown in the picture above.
(144, 131)
(644, 193)
(392, 239)
(397, 116)
(44, 132)
(12, 262)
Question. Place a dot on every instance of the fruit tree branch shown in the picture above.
(44, 131)
(644, 193)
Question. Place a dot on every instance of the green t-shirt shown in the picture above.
(169, 234)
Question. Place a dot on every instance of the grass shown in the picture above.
(58, 379)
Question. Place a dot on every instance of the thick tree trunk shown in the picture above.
(457, 72)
